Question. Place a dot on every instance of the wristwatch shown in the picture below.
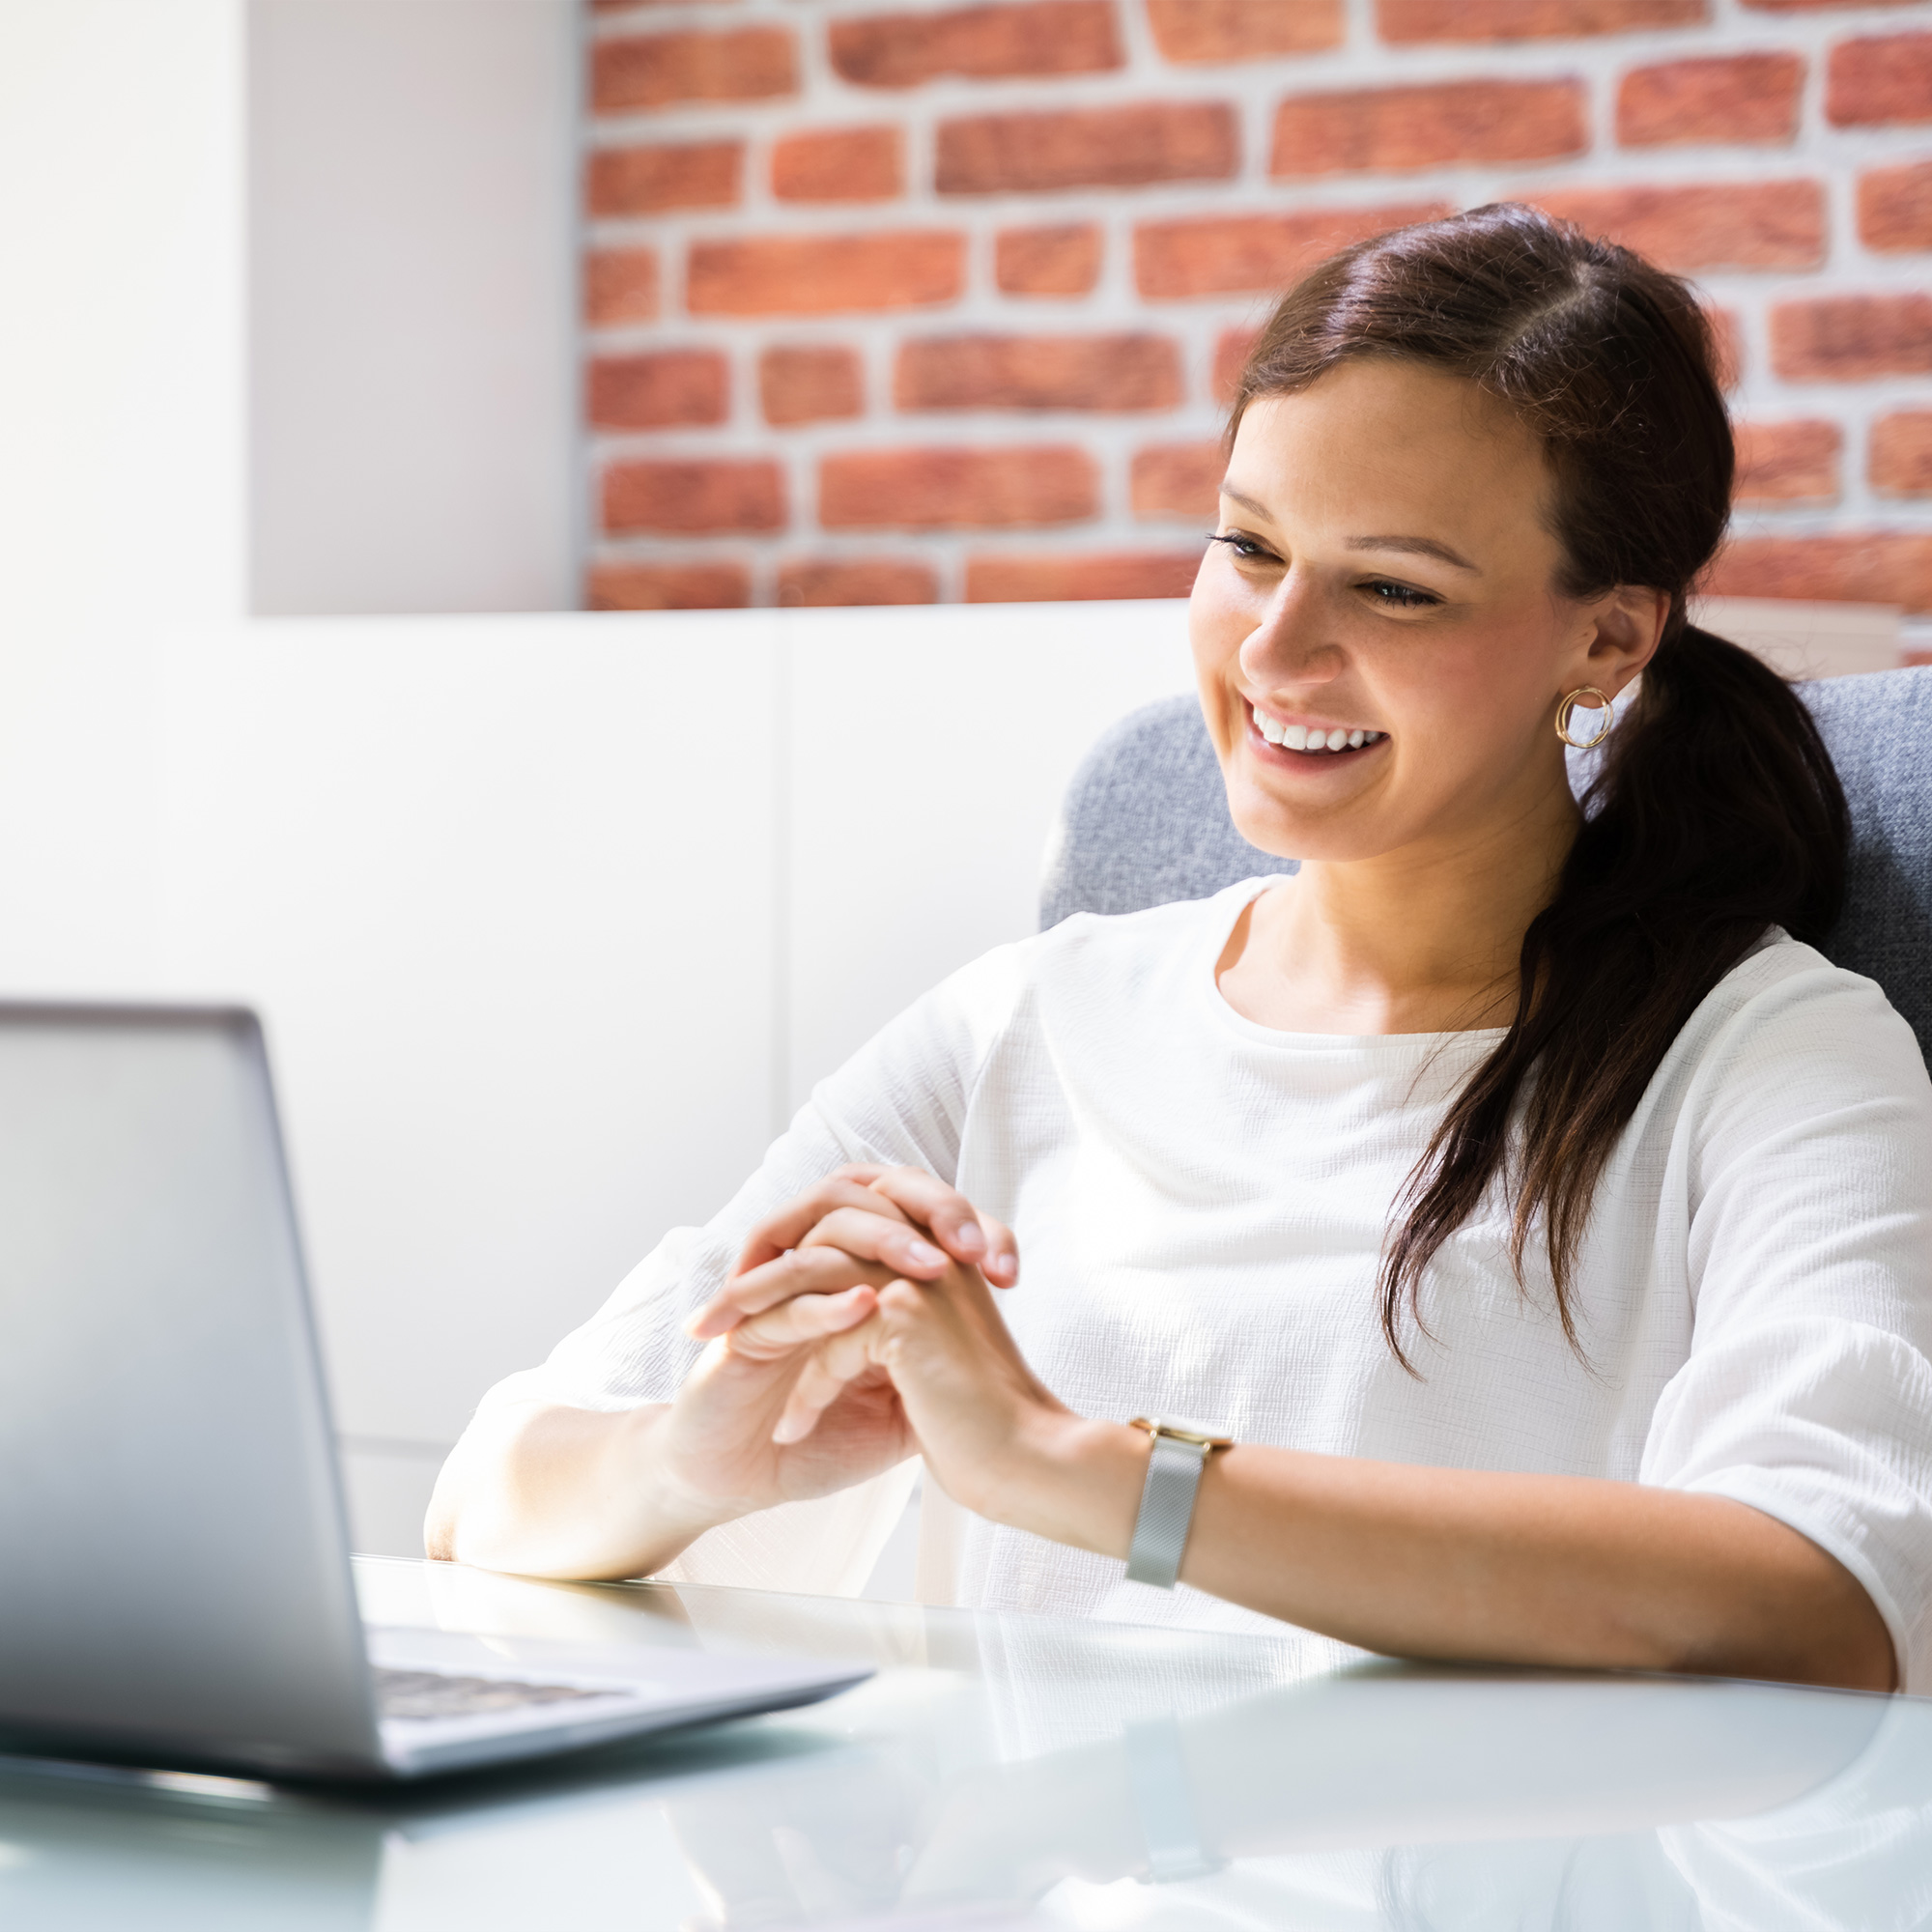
(1175, 1462)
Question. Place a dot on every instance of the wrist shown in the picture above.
(674, 1508)
(1072, 1480)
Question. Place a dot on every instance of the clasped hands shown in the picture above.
(860, 1327)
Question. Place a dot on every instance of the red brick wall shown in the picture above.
(895, 303)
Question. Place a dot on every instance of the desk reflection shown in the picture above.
(1007, 1769)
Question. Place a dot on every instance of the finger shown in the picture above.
(799, 1324)
(825, 1376)
(811, 1395)
(867, 1234)
(810, 1270)
(796, 1219)
(954, 1222)
(1001, 1264)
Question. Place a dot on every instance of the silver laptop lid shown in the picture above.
(175, 1579)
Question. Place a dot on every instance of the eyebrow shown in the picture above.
(1417, 547)
(1408, 546)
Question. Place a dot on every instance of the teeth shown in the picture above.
(1300, 738)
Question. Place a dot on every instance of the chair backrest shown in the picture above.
(1146, 822)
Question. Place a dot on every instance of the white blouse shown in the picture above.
(1201, 1203)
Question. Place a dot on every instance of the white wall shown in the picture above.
(412, 279)
(120, 334)
(121, 435)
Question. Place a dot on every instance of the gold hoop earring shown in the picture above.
(1569, 705)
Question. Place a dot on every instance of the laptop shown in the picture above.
(175, 1587)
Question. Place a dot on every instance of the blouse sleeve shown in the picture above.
(1807, 1391)
(900, 1101)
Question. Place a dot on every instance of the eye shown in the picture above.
(1400, 596)
(1244, 547)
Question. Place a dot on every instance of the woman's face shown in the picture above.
(1387, 574)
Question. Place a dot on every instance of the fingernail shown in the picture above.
(1001, 1265)
(923, 1254)
(970, 1239)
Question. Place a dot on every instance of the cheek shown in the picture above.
(1218, 621)
(1485, 689)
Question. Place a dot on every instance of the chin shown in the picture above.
(1282, 834)
(1277, 827)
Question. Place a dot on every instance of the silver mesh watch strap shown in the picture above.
(1167, 1501)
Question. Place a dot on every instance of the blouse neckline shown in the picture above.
(1235, 900)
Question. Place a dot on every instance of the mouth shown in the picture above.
(1309, 739)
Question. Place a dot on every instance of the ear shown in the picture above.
(1622, 629)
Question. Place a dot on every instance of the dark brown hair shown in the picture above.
(1713, 812)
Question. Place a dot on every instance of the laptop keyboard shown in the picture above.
(431, 1693)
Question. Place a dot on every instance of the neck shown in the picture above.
(1423, 939)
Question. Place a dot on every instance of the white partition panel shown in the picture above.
(928, 753)
(552, 919)
(501, 890)
(1800, 639)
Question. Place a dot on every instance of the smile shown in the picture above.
(1324, 738)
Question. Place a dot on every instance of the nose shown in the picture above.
(1290, 643)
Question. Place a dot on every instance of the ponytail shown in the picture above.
(1715, 814)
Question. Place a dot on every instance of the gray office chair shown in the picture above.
(1146, 822)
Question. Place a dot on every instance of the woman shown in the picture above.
(1547, 1225)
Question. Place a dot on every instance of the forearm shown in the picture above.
(547, 1490)
(1413, 1561)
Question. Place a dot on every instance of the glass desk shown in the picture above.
(1007, 1770)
